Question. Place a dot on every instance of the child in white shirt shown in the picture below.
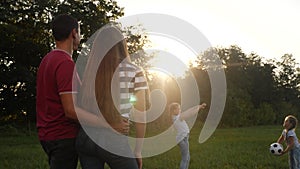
(293, 146)
(183, 130)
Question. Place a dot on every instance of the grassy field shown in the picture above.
(238, 148)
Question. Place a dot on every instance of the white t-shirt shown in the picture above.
(291, 133)
(181, 127)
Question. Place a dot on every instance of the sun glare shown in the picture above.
(171, 58)
(159, 73)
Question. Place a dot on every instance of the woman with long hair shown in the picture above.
(110, 82)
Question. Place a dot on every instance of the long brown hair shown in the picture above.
(110, 46)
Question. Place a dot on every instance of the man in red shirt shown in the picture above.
(57, 82)
(56, 129)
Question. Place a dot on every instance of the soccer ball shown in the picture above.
(276, 148)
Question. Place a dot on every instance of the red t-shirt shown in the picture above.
(55, 77)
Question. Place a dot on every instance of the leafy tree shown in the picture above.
(288, 79)
(26, 38)
(21, 48)
(287, 75)
(136, 40)
(264, 114)
(257, 92)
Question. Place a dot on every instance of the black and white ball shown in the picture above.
(276, 148)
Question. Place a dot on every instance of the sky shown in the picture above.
(270, 28)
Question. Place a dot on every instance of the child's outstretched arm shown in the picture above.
(191, 111)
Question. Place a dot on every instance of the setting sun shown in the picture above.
(171, 58)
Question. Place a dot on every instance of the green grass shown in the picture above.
(18, 152)
(239, 148)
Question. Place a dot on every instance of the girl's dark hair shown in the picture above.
(293, 120)
(62, 26)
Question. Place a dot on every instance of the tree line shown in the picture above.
(259, 92)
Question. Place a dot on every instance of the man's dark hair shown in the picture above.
(62, 26)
